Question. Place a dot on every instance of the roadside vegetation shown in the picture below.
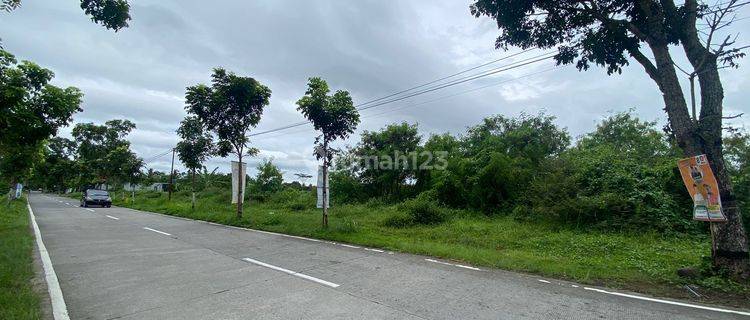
(510, 193)
(18, 299)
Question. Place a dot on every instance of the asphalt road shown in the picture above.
(118, 263)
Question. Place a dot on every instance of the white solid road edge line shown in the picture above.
(59, 309)
(157, 231)
(668, 302)
(293, 273)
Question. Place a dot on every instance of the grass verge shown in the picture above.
(18, 300)
(644, 262)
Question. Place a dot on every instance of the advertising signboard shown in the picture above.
(703, 188)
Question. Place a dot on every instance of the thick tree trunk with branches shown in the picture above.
(699, 134)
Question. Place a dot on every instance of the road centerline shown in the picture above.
(293, 273)
(157, 231)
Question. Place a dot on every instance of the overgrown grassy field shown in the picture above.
(18, 300)
(645, 262)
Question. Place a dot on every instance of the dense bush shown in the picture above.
(294, 199)
(621, 176)
(423, 210)
(737, 147)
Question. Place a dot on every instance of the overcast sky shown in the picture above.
(371, 48)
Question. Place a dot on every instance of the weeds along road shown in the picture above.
(117, 263)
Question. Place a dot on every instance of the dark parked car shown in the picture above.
(96, 197)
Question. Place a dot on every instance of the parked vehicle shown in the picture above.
(96, 197)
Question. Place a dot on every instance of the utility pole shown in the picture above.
(171, 177)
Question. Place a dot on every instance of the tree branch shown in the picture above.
(651, 69)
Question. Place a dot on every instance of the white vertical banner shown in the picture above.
(238, 175)
(19, 190)
(320, 190)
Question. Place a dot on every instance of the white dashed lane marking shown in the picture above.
(157, 231)
(113, 218)
(293, 273)
(453, 265)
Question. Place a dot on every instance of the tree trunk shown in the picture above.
(731, 245)
(193, 198)
(325, 184)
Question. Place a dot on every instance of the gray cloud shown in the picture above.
(371, 48)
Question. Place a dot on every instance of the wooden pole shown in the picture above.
(171, 177)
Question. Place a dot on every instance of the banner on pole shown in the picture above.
(703, 188)
(238, 176)
(319, 204)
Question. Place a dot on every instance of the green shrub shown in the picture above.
(423, 211)
(294, 199)
(398, 220)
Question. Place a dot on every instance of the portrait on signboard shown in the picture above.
(703, 188)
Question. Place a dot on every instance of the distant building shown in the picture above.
(162, 187)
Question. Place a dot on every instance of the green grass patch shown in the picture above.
(621, 260)
(18, 300)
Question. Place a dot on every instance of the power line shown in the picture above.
(463, 92)
(448, 77)
(475, 76)
(428, 101)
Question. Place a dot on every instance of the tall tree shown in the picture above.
(334, 116)
(112, 14)
(31, 110)
(103, 151)
(229, 108)
(396, 144)
(194, 148)
(608, 32)
(59, 168)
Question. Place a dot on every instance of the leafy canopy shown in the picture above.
(104, 152)
(333, 115)
(230, 107)
(600, 32)
(112, 14)
(31, 110)
(196, 144)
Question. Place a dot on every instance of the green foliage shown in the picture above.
(112, 14)
(195, 145)
(621, 176)
(293, 199)
(346, 187)
(496, 161)
(18, 299)
(333, 115)
(422, 210)
(269, 179)
(31, 110)
(386, 160)
(737, 154)
(229, 108)
(104, 155)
